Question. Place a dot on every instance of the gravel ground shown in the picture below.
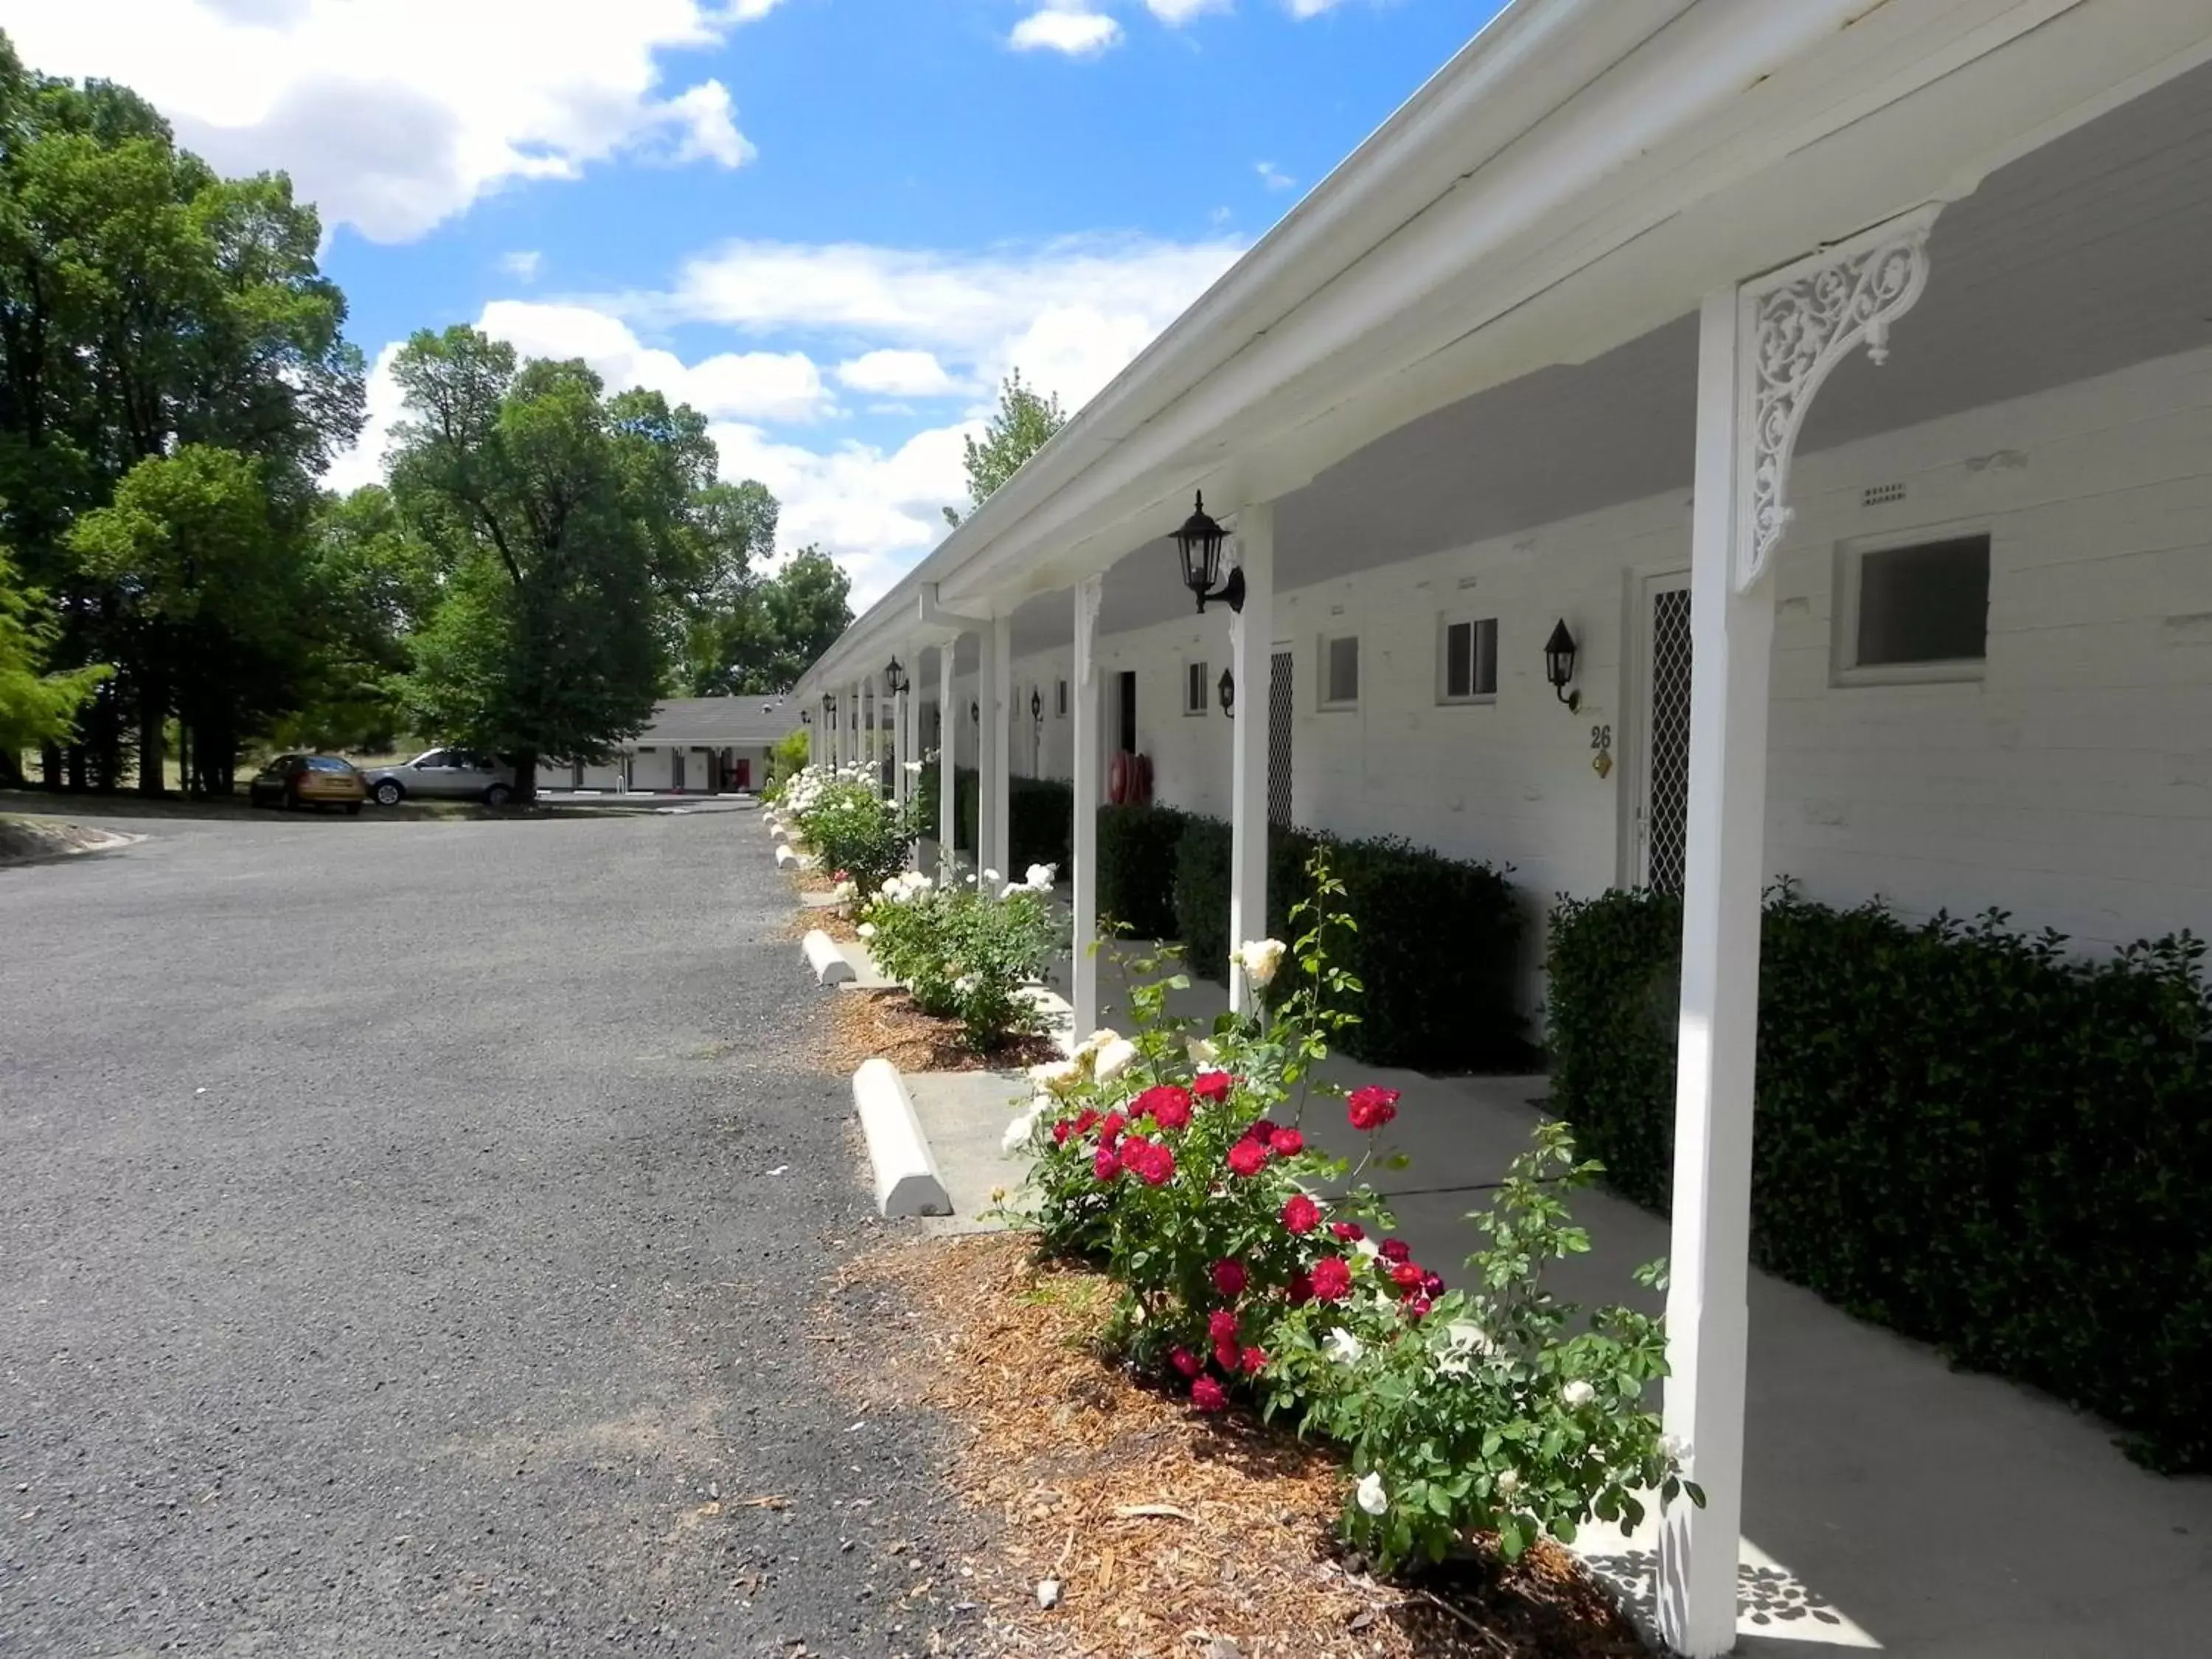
(411, 1232)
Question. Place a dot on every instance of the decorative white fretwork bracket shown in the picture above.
(1088, 594)
(1796, 324)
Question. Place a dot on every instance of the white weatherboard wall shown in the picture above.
(2071, 785)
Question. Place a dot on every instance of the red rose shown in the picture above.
(1227, 1356)
(1086, 1120)
(1418, 1306)
(1248, 1158)
(1433, 1285)
(1300, 1290)
(1186, 1362)
(1229, 1277)
(1396, 1250)
(1255, 1361)
(1372, 1107)
(1166, 1103)
(1104, 1164)
(1407, 1276)
(1301, 1215)
(1350, 1231)
(1060, 1131)
(1287, 1143)
(1151, 1163)
(1260, 1129)
(1220, 1326)
(1212, 1087)
(1110, 1127)
(1206, 1395)
(1332, 1278)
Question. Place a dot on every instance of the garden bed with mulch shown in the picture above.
(1159, 1532)
(887, 1023)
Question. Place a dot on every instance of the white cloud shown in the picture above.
(523, 264)
(1303, 8)
(978, 313)
(750, 385)
(1273, 177)
(396, 115)
(1175, 12)
(1066, 26)
(897, 374)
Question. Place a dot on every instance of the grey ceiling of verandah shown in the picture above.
(2082, 257)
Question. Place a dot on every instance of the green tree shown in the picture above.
(1024, 425)
(147, 305)
(550, 510)
(722, 608)
(802, 610)
(371, 582)
(35, 707)
(203, 591)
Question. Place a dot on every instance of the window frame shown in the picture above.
(1196, 679)
(1324, 701)
(1059, 699)
(1851, 553)
(1446, 621)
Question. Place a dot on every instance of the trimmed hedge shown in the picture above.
(1042, 814)
(1437, 945)
(1962, 1133)
(1137, 867)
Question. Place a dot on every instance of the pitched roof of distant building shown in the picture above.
(716, 722)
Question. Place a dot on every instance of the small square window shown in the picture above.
(1060, 700)
(1467, 660)
(1195, 688)
(1916, 611)
(1340, 671)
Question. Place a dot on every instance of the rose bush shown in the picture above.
(854, 832)
(968, 950)
(1181, 1162)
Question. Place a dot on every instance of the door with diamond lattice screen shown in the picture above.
(1663, 804)
(1279, 738)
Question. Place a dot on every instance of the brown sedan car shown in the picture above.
(291, 782)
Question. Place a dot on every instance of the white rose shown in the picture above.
(1577, 1394)
(964, 986)
(1367, 1247)
(1202, 1052)
(1017, 1137)
(867, 929)
(1040, 877)
(914, 766)
(1056, 1076)
(1115, 1057)
(1675, 1447)
(992, 876)
(1259, 958)
(1343, 1348)
(1370, 1495)
(1509, 1483)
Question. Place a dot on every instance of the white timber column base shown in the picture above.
(1083, 966)
(1251, 647)
(998, 779)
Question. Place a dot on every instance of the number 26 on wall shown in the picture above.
(1601, 736)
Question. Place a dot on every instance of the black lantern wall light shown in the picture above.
(1560, 664)
(1227, 687)
(1037, 705)
(894, 679)
(1199, 543)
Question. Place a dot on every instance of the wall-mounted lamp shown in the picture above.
(1227, 687)
(806, 717)
(1037, 705)
(894, 679)
(974, 712)
(1199, 542)
(1560, 664)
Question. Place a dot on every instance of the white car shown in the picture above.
(443, 775)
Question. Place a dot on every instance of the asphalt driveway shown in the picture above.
(407, 1236)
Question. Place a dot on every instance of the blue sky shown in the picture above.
(830, 224)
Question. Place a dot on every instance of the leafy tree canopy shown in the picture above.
(1024, 423)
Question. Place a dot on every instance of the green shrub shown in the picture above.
(1040, 827)
(965, 952)
(1137, 867)
(1438, 946)
(1962, 1133)
(857, 834)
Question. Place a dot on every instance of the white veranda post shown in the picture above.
(899, 749)
(1763, 349)
(948, 754)
(997, 714)
(1085, 694)
(1251, 642)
